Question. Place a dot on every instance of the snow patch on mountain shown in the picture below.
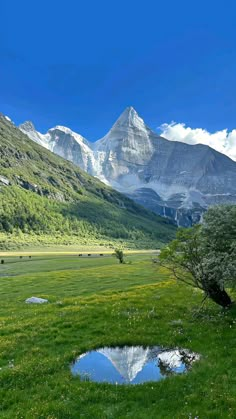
(66, 130)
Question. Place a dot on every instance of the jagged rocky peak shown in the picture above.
(62, 141)
(129, 131)
(130, 118)
(129, 122)
(27, 126)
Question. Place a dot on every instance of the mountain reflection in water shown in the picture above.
(132, 364)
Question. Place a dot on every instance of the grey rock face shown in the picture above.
(173, 179)
(72, 147)
(64, 142)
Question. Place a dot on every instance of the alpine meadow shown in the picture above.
(89, 256)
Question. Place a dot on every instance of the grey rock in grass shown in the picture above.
(4, 181)
(36, 300)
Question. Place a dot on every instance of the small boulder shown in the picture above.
(4, 181)
(36, 300)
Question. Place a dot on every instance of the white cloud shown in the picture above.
(223, 141)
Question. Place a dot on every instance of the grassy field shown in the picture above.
(69, 250)
(96, 302)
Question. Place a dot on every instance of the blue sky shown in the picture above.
(79, 64)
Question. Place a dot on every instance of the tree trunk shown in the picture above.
(218, 295)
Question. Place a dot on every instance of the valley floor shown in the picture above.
(95, 302)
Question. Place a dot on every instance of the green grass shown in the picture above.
(97, 302)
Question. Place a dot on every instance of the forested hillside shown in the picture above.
(45, 198)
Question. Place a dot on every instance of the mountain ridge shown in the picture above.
(43, 193)
(132, 158)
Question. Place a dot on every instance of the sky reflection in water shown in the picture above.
(132, 365)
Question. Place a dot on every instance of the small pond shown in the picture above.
(132, 364)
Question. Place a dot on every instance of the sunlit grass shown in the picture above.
(97, 302)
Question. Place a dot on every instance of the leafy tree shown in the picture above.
(205, 256)
(119, 254)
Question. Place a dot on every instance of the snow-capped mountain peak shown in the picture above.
(173, 179)
(79, 138)
(130, 118)
(129, 132)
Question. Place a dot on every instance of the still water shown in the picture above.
(132, 364)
